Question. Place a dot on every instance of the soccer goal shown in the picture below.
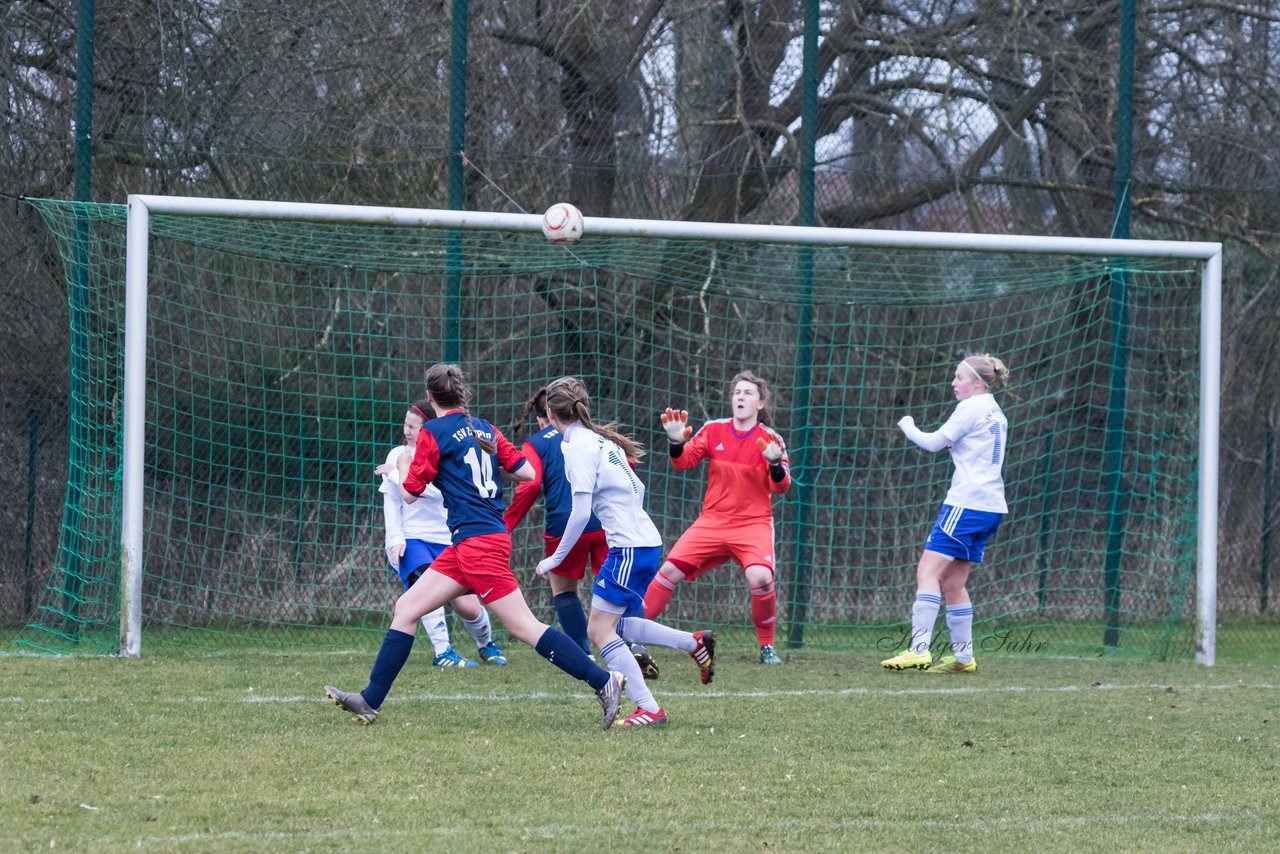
(239, 368)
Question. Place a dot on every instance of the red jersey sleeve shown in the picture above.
(508, 456)
(526, 490)
(425, 465)
(694, 451)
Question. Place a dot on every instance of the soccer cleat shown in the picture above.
(769, 655)
(642, 718)
(354, 703)
(704, 654)
(908, 660)
(491, 653)
(450, 658)
(950, 664)
(610, 696)
(648, 667)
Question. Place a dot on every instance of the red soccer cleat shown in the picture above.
(642, 718)
(705, 654)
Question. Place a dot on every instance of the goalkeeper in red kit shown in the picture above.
(746, 467)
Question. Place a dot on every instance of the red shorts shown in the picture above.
(710, 542)
(591, 544)
(482, 564)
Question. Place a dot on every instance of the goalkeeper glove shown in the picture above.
(771, 448)
(676, 423)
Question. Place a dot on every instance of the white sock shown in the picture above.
(437, 629)
(617, 657)
(960, 624)
(641, 631)
(924, 613)
(480, 629)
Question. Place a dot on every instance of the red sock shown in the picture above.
(657, 596)
(764, 611)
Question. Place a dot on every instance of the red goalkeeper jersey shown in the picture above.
(738, 483)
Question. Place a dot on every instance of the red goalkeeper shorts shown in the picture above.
(709, 542)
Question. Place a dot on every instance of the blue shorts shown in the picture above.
(625, 576)
(961, 533)
(418, 555)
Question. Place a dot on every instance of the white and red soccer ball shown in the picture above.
(562, 223)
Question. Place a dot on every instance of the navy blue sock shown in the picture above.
(572, 619)
(556, 647)
(387, 666)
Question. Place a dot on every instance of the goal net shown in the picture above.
(281, 344)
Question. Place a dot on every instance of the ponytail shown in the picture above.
(535, 406)
(449, 389)
(568, 401)
(989, 369)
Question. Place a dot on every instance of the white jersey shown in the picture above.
(978, 433)
(598, 466)
(423, 520)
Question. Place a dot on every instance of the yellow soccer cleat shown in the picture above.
(908, 660)
(950, 664)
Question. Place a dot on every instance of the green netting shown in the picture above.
(281, 356)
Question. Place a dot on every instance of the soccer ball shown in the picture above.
(562, 223)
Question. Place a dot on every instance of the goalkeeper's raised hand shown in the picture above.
(676, 423)
(771, 449)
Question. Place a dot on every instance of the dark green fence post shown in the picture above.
(1046, 519)
(457, 189)
(1124, 119)
(33, 444)
(800, 589)
(1117, 500)
(72, 521)
(1119, 316)
(84, 101)
(301, 515)
(1268, 489)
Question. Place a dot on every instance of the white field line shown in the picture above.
(559, 830)
(263, 653)
(710, 694)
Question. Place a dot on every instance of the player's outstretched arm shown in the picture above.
(934, 441)
(579, 515)
(526, 491)
(403, 463)
(394, 542)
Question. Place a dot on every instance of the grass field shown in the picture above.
(239, 752)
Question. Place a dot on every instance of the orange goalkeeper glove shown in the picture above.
(771, 448)
(676, 423)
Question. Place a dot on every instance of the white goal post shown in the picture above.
(140, 207)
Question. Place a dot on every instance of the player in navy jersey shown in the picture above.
(599, 465)
(461, 454)
(542, 450)
(415, 535)
(976, 434)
